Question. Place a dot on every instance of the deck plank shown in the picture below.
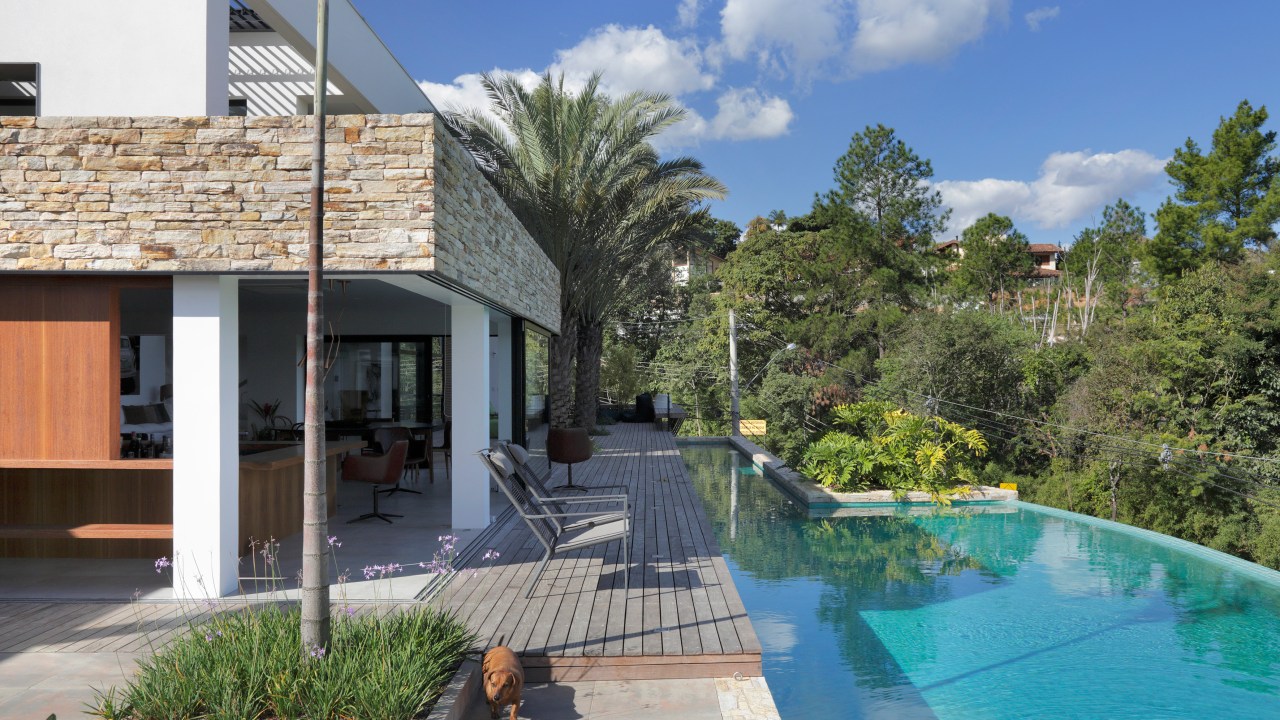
(682, 616)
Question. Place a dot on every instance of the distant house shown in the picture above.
(691, 263)
(1046, 257)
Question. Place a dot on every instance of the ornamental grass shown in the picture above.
(250, 663)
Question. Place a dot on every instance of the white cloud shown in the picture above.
(643, 59)
(742, 114)
(636, 59)
(1041, 14)
(1071, 185)
(808, 37)
(897, 32)
(783, 35)
(687, 13)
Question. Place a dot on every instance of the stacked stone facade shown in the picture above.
(232, 195)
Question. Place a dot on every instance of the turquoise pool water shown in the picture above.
(987, 612)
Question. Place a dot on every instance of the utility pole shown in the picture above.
(315, 516)
(735, 416)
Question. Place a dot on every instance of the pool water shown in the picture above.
(989, 611)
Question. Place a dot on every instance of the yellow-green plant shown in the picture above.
(880, 445)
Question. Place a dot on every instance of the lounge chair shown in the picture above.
(531, 478)
(538, 490)
(557, 530)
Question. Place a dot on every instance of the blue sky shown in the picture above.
(1040, 110)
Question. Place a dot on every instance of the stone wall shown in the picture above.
(232, 195)
(472, 223)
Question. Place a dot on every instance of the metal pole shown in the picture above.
(315, 517)
(735, 415)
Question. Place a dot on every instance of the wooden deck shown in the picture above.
(682, 617)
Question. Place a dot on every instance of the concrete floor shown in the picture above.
(699, 699)
(36, 685)
(407, 541)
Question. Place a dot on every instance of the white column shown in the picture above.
(501, 372)
(206, 462)
(470, 390)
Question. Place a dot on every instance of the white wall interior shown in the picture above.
(206, 463)
(273, 328)
(145, 57)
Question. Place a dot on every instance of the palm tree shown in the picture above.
(579, 173)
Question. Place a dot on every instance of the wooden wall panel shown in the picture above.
(60, 367)
(61, 497)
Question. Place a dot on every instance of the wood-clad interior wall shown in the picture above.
(59, 368)
(76, 497)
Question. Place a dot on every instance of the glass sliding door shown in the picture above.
(537, 359)
(380, 380)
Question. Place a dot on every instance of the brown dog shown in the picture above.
(503, 680)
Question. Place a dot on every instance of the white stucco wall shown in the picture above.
(143, 57)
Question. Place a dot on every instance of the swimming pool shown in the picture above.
(995, 611)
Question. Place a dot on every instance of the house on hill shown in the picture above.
(1046, 256)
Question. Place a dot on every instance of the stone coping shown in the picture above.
(459, 695)
(816, 496)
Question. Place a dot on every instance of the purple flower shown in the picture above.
(163, 563)
(351, 612)
(490, 555)
(208, 637)
(333, 541)
(317, 652)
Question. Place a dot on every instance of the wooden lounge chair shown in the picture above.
(561, 532)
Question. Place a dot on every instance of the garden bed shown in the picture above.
(814, 495)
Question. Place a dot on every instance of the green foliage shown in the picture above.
(620, 376)
(1107, 252)
(713, 235)
(1225, 201)
(996, 258)
(880, 445)
(969, 357)
(246, 664)
(886, 183)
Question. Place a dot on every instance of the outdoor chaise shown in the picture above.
(531, 478)
(561, 532)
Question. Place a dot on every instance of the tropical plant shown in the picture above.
(878, 444)
(580, 174)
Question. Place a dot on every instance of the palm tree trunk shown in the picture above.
(315, 516)
(590, 348)
(561, 371)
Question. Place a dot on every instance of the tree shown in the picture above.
(562, 162)
(882, 179)
(1225, 201)
(996, 258)
(1100, 261)
(716, 236)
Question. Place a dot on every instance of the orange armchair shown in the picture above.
(377, 470)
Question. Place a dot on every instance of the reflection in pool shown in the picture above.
(998, 611)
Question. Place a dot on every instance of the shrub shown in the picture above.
(879, 445)
(248, 664)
